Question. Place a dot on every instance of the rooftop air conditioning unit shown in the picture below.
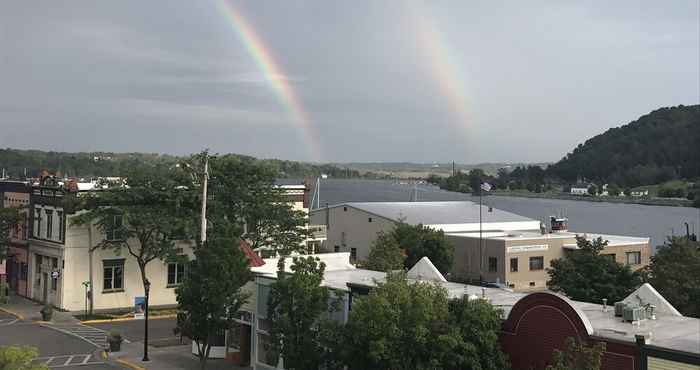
(633, 314)
(619, 307)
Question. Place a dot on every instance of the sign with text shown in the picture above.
(139, 307)
(528, 248)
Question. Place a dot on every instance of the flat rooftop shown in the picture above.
(436, 213)
(613, 240)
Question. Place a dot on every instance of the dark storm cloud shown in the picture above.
(173, 76)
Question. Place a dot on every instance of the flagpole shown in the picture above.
(204, 200)
(481, 248)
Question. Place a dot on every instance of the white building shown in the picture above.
(353, 227)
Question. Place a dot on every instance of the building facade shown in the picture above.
(353, 227)
(519, 260)
(14, 271)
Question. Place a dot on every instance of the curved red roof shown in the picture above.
(253, 259)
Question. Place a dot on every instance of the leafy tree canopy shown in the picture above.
(578, 356)
(675, 272)
(420, 241)
(586, 275)
(296, 304)
(403, 325)
(19, 358)
(210, 296)
(385, 254)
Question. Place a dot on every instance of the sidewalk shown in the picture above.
(28, 310)
(166, 358)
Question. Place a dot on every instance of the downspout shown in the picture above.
(90, 249)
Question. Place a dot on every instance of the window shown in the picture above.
(345, 209)
(513, 265)
(113, 229)
(369, 219)
(176, 273)
(37, 222)
(353, 254)
(49, 224)
(54, 267)
(536, 263)
(633, 258)
(532, 283)
(59, 216)
(493, 264)
(113, 280)
(336, 248)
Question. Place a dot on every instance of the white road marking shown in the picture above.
(53, 362)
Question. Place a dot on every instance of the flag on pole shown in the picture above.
(485, 186)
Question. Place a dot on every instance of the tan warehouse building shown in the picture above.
(519, 259)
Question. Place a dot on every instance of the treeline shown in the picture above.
(660, 146)
(20, 163)
(530, 178)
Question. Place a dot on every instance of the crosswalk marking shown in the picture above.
(6, 322)
(93, 335)
(57, 362)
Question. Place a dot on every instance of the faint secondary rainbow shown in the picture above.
(273, 74)
(444, 66)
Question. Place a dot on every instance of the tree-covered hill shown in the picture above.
(659, 146)
(99, 164)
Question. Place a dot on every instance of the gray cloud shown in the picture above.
(172, 76)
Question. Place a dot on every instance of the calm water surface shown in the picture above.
(655, 222)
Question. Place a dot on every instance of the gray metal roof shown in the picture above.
(431, 213)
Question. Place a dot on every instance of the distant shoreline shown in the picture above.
(669, 202)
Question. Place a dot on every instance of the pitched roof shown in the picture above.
(253, 259)
(425, 270)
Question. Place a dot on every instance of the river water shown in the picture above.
(655, 222)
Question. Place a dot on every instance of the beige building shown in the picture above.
(353, 227)
(519, 259)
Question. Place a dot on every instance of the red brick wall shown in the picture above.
(540, 323)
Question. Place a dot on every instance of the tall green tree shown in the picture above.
(578, 356)
(586, 275)
(19, 358)
(296, 305)
(211, 294)
(385, 254)
(675, 272)
(9, 219)
(420, 241)
(403, 325)
(244, 202)
(144, 216)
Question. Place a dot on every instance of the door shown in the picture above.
(45, 286)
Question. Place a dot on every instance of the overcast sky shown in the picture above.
(470, 81)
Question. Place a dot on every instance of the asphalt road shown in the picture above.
(58, 349)
(133, 330)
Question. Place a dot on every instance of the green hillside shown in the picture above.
(660, 146)
(96, 164)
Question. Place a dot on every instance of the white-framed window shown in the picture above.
(514, 264)
(633, 258)
(113, 229)
(113, 275)
(59, 216)
(176, 273)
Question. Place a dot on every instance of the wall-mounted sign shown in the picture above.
(139, 307)
(527, 248)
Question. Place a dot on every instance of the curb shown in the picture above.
(103, 321)
(15, 314)
(128, 364)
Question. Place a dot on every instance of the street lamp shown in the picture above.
(147, 287)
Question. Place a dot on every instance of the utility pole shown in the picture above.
(481, 247)
(204, 200)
